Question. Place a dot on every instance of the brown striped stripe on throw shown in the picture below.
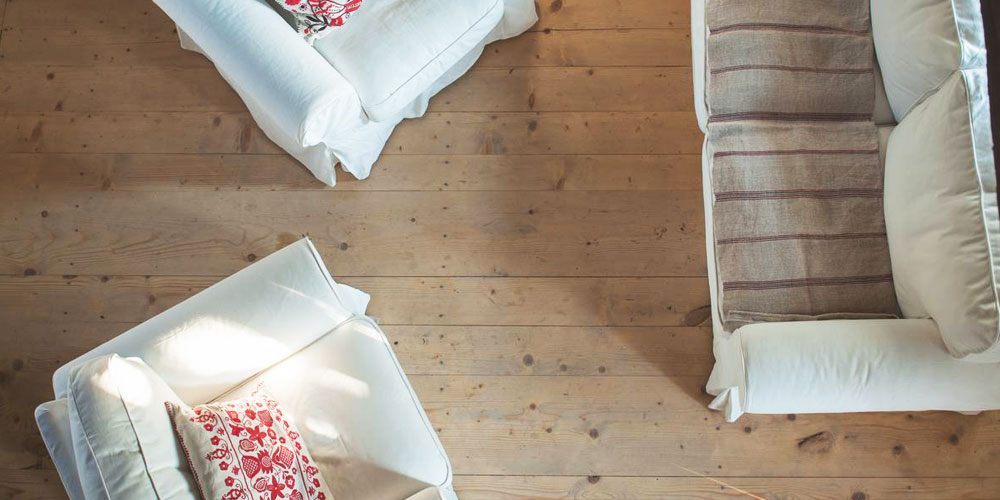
(797, 193)
(793, 117)
(800, 69)
(819, 30)
(798, 236)
(803, 282)
(790, 152)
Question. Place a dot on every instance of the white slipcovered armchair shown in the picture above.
(340, 99)
(285, 322)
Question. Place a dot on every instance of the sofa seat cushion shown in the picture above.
(795, 169)
(392, 51)
(358, 414)
(920, 43)
(122, 439)
(941, 215)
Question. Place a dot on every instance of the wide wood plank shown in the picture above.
(126, 47)
(436, 133)
(41, 347)
(86, 89)
(743, 488)
(395, 301)
(658, 426)
(85, 172)
(513, 233)
(587, 14)
(608, 48)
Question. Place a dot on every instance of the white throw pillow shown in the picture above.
(392, 51)
(941, 216)
(920, 43)
(122, 436)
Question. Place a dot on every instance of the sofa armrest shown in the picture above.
(295, 95)
(847, 366)
(699, 32)
(229, 332)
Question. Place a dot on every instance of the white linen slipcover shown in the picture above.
(838, 366)
(847, 365)
(302, 102)
(123, 441)
(391, 51)
(285, 310)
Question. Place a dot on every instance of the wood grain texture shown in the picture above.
(534, 247)
(145, 89)
(436, 133)
(36, 484)
(784, 488)
(84, 172)
(73, 46)
(560, 233)
(557, 301)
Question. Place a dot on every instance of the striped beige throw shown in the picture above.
(798, 222)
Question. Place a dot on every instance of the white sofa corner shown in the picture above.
(832, 366)
(357, 412)
(302, 102)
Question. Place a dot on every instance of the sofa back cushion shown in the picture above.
(392, 51)
(122, 438)
(920, 43)
(941, 215)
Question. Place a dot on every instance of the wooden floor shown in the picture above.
(534, 246)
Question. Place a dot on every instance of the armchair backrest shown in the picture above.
(231, 331)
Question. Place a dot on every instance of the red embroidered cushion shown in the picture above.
(246, 449)
(313, 18)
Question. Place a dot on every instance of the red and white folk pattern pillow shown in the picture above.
(314, 18)
(247, 449)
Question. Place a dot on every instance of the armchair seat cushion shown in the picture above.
(351, 401)
(392, 51)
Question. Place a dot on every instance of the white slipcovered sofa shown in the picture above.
(932, 110)
(285, 322)
(340, 99)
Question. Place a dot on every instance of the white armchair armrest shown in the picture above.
(229, 332)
